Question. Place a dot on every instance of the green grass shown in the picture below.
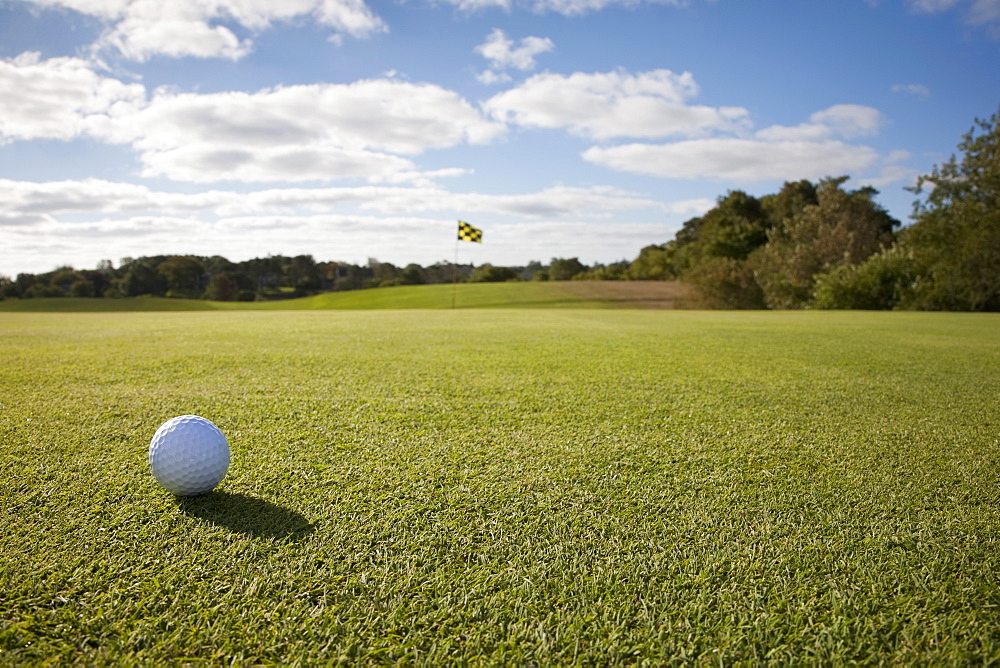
(503, 486)
(565, 294)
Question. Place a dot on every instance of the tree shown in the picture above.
(880, 282)
(653, 264)
(184, 274)
(141, 278)
(565, 269)
(725, 282)
(7, 287)
(955, 237)
(487, 273)
(734, 228)
(63, 278)
(842, 228)
(948, 258)
(413, 274)
(789, 202)
(222, 288)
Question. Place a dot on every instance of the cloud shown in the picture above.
(489, 77)
(811, 150)
(32, 202)
(843, 120)
(613, 104)
(564, 7)
(741, 160)
(80, 222)
(975, 12)
(59, 98)
(140, 29)
(356, 130)
(919, 90)
(502, 53)
(369, 129)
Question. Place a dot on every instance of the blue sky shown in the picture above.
(562, 128)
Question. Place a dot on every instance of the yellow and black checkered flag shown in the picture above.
(467, 232)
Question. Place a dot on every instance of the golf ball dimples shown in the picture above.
(188, 455)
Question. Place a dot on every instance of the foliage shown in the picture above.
(725, 282)
(955, 239)
(883, 281)
(653, 264)
(842, 228)
(487, 273)
(561, 269)
(504, 488)
(948, 258)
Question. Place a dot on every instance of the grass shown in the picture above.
(504, 486)
(559, 294)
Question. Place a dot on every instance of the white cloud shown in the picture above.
(58, 98)
(741, 160)
(565, 7)
(843, 120)
(351, 238)
(811, 150)
(489, 77)
(27, 203)
(919, 90)
(502, 53)
(613, 104)
(975, 12)
(357, 130)
(140, 29)
(930, 6)
(81, 222)
(364, 130)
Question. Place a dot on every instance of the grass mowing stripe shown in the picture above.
(504, 486)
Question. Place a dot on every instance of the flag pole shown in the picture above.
(454, 275)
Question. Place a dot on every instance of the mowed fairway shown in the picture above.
(504, 486)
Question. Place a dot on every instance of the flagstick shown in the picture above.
(454, 275)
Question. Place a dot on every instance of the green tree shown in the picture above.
(653, 264)
(413, 274)
(725, 282)
(82, 288)
(842, 228)
(222, 288)
(141, 278)
(789, 202)
(734, 228)
(487, 273)
(8, 288)
(880, 282)
(955, 237)
(64, 278)
(561, 269)
(184, 275)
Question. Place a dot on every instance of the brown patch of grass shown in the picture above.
(634, 294)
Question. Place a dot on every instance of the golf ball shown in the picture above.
(188, 455)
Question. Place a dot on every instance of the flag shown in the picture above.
(467, 232)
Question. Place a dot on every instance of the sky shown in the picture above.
(354, 129)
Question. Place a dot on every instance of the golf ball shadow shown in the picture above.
(247, 515)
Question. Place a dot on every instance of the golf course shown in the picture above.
(534, 477)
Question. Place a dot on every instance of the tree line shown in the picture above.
(810, 245)
(259, 279)
(821, 246)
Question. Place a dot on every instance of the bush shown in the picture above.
(82, 288)
(726, 282)
(879, 283)
(487, 273)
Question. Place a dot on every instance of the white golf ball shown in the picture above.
(188, 455)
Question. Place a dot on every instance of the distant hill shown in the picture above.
(558, 294)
